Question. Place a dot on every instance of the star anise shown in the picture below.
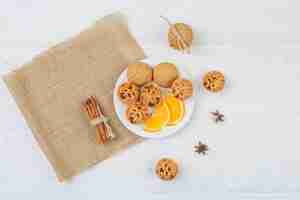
(218, 117)
(201, 148)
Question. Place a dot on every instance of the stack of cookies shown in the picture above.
(154, 95)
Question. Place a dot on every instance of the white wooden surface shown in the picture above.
(254, 154)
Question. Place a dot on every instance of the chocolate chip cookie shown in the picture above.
(166, 169)
(137, 113)
(128, 93)
(150, 94)
(214, 81)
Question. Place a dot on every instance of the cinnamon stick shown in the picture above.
(91, 107)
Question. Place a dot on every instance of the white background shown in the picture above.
(254, 154)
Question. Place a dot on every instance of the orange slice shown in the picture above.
(159, 119)
(176, 108)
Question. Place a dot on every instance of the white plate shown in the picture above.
(137, 129)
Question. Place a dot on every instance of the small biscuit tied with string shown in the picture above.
(97, 119)
(180, 36)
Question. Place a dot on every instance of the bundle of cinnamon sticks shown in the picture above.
(95, 114)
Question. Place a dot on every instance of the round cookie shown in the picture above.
(166, 169)
(186, 33)
(150, 94)
(128, 93)
(214, 81)
(137, 113)
(164, 74)
(182, 88)
(139, 73)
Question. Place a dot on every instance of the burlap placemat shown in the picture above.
(49, 91)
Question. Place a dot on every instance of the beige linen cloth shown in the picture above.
(49, 91)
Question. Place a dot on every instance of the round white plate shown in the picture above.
(137, 129)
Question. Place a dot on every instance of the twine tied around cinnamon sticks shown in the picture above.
(95, 114)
